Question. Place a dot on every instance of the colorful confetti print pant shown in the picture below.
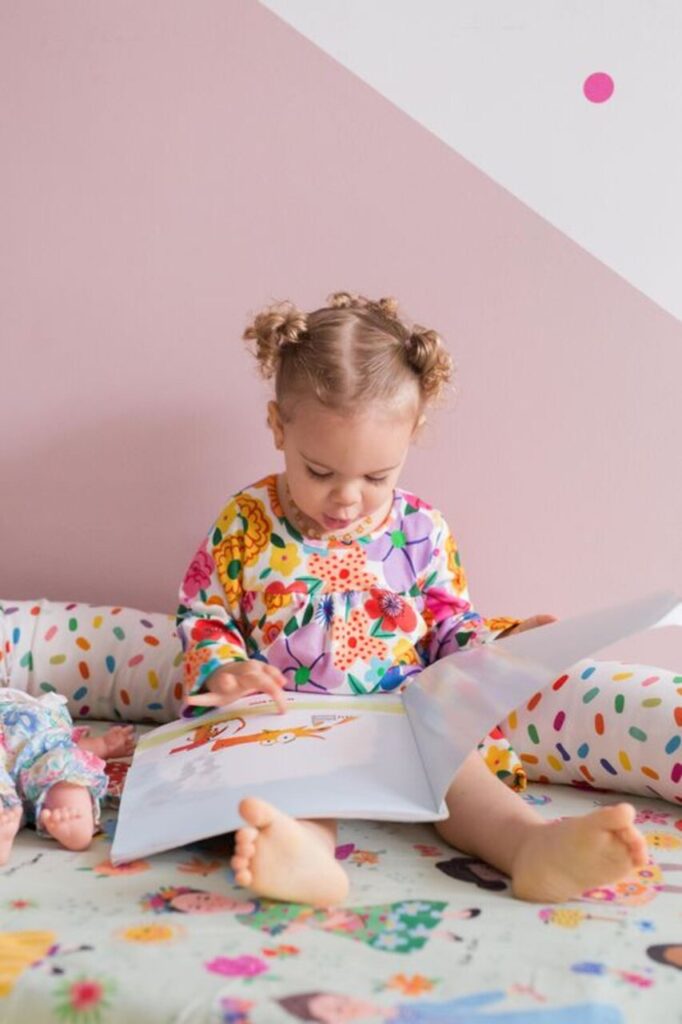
(607, 725)
(37, 751)
(110, 663)
(602, 724)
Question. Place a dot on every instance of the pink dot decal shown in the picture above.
(598, 87)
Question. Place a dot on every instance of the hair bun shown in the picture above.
(342, 300)
(280, 325)
(429, 359)
(386, 307)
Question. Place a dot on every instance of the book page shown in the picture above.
(455, 702)
(327, 756)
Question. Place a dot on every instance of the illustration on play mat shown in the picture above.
(398, 927)
(335, 1008)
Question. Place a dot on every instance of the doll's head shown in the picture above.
(352, 382)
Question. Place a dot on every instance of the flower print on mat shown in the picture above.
(228, 1009)
(237, 967)
(84, 1000)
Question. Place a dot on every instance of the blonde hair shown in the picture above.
(349, 353)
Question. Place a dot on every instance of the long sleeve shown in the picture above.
(453, 623)
(210, 623)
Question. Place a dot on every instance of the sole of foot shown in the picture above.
(71, 827)
(10, 819)
(284, 859)
(559, 860)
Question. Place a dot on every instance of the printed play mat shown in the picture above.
(427, 935)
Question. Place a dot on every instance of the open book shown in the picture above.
(385, 757)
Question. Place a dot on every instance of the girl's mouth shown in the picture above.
(331, 523)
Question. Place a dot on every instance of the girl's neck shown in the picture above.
(311, 529)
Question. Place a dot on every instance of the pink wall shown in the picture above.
(173, 166)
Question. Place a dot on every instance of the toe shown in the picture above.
(257, 813)
(619, 816)
(243, 877)
(245, 838)
(239, 863)
(638, 848)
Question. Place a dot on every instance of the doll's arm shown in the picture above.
(119, 741)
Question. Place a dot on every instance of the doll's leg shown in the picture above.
(285, 859)
(10, 814)
(67, 815)
(64, 786)
(604, 724)
(546, 860)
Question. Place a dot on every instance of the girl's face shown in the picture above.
(339, 468)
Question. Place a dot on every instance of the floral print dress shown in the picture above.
(355, 617)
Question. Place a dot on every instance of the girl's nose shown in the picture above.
(345, 497)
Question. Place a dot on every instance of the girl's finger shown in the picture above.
(207, 700)
(270, 687)
(227, 685)
(275, 674)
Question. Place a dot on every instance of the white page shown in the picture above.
(366, 766)
(455, 702)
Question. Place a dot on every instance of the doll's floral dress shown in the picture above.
(346, 617)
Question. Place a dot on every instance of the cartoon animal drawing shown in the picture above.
(268, 737)
(203, 734)
(206, 733)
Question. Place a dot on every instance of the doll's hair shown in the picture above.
(350, 353)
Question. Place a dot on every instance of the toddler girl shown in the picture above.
(328, 578)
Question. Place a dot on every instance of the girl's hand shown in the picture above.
(531, 623)
(230, 683)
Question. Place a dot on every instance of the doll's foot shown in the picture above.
(279, 857)
(119, 741)
(67, 816)
(68, 826)
(10, 819)
(559, 860)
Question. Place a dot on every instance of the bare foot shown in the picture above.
(10, 819)
(119, 741)
(559, 860)
(284, 859)
(67, 816)
(68, 826)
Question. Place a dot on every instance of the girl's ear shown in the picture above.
(421, 420)
(275, 424)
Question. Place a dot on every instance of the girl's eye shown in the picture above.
(318, 476)
(376, 479)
